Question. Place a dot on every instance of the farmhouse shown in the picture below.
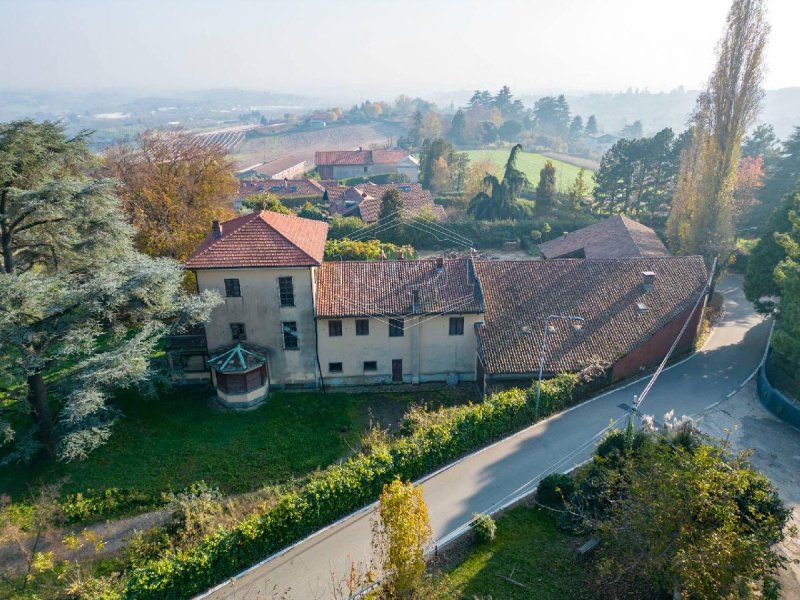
(364, 201)
(615, 237)
(292, 192)
(344, 164)
(291, 320)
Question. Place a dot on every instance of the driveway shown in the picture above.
(775, 446)
(487, 479)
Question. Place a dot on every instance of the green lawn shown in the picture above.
(172, 441)
(528, 549)
(531, 164)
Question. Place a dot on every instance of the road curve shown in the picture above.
(485, 480)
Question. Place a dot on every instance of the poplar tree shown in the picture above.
(702, 219)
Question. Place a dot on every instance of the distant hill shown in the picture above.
(656, 110)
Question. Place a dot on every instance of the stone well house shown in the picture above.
(292, 320)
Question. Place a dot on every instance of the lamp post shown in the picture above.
(577, 323)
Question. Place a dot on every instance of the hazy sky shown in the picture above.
(375, 47)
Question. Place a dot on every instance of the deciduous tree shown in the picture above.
(702, 219)
(401, 536)
(172, 188)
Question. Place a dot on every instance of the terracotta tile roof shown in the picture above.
(264, 239)
(519, 295)
(615, 237)
(359, 157)
(283, 188)
(364, 200)
(385, 288)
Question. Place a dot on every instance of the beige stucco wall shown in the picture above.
(260, 310)
(439, 352)
(348, 171)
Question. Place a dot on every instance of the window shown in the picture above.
(335, 367)
(334, 328)
(362, 326)
(237, 332)
(289, 335)
(286, 288)
(370, 365)
(456, 325)
(366, 169)
(232, 288)
(395, 327)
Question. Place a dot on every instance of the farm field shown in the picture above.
(302, 144)
(531, 163)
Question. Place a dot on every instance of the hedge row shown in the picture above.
(342, 489)
(445, 236)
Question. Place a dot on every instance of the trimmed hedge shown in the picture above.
(483, 234)
(342, 489)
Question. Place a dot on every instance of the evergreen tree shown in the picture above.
(458, 127)
(576, 129)
(633, 131)
(499, 199)
(762, 142)
(502, 101)
(82, 310)
(546, 190)
(391, 206)
(592, 128)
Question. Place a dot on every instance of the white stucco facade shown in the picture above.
(259, 309)
(427, 350)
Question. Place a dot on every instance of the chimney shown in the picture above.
(565, 234)
(648, 279)
(439, 264)
(286, 182)
(216, 229)
(402, 255)
(415, 301)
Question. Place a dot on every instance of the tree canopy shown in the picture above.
(499, 199)
(172, 188)
(88, 317)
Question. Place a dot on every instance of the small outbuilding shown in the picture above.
(240, 375)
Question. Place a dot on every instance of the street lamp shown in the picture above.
(577, 324)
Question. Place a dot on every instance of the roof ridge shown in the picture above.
(282, 234)
(244, 220)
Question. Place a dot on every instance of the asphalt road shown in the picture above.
(487, 479)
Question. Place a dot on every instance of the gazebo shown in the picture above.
(240, 375)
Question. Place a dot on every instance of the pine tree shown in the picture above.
(546, 190)
(592, 128)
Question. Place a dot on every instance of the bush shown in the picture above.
(107, 503)
(555, 490)
(341, 489)
(346, 249)
(484, 528)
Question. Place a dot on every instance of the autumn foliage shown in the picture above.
(171, 190)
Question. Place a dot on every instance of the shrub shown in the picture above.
(346, 249)
(312, 211)
(484, 528)
(555, 490)
(340, 489)
(94, 504)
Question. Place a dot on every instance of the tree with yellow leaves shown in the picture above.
(172, 188)
(703, 216)
(401, 535)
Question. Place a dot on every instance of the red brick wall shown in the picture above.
(650, 353)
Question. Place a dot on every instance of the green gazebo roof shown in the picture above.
(238, 359)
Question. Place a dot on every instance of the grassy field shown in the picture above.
(169, 442)
(528, 549)
(531, 164)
